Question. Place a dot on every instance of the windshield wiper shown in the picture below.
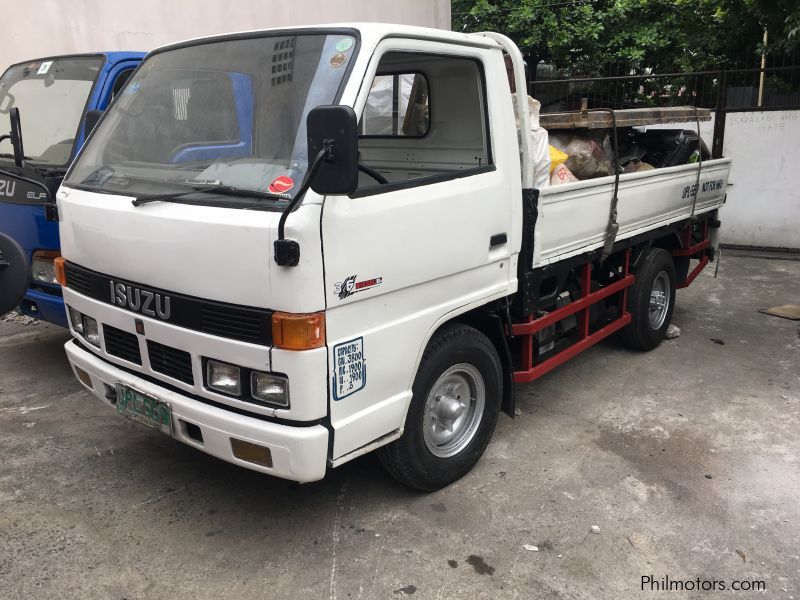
(224, 190)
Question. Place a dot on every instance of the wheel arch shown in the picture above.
(489, 319)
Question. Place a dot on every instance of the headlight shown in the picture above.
(90, 331)
(224, 378)
(269, 388)
(84, 326)
(42, 268)
(76, 319)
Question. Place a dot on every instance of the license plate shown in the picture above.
(144, 408)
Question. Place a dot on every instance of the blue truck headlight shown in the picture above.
(224, 378)
(269, 388)
(42, 268)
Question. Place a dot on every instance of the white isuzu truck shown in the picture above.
(264, 264)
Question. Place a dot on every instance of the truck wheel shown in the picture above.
(454, 408)
(14, 274)
(650, 300)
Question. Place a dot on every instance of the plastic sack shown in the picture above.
(540, 142)
(556, 157)
(561, 174)
(586, 157)
(540, 158)
(538, 166)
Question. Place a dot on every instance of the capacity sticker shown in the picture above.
(350, 368)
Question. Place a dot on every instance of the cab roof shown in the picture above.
(370, 33)
(113, 57)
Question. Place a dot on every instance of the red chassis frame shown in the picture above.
(694, 250)
(529, 370)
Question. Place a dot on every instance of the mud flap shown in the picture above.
(498, 336)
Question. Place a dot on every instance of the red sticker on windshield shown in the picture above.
(281, 185)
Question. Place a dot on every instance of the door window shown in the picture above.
(121, 80)
(397, 105)
(424, 121)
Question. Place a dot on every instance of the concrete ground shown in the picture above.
(686, 458)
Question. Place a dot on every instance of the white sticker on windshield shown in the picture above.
(44, 67)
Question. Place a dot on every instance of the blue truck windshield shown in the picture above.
(228, 112)
(51, 96)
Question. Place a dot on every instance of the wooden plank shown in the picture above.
(626, 117)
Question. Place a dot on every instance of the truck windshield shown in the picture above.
(229, 112)
(51, 96)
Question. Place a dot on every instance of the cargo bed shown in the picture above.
(572, 217)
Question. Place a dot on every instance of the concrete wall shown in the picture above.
(763, 207)
(36, 28)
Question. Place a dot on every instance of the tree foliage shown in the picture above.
(685, 35)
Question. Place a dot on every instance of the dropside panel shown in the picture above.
(572, 218)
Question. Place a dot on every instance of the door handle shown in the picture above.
(498, 239)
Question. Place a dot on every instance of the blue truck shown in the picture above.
(50, 105)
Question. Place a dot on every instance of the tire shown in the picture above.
(430, 456)
(650, 317)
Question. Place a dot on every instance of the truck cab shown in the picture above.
(287, 248)
(53, 96)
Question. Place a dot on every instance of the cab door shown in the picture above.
(112, 80)
(115, 80)
(427, 234)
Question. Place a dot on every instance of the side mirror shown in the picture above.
(335, 130)
(90, 121)
(16, 137)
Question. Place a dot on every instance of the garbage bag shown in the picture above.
(561, 174)
(539, 160)
(670, 147)
(587, 159)
(556, 157)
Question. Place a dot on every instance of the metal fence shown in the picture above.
(729, 89)
(724, 90)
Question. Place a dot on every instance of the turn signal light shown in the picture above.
(298, 331)
(61, 272)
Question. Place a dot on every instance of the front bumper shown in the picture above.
(298, 453)
(44, 306)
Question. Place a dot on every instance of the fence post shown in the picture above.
(720, 117)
